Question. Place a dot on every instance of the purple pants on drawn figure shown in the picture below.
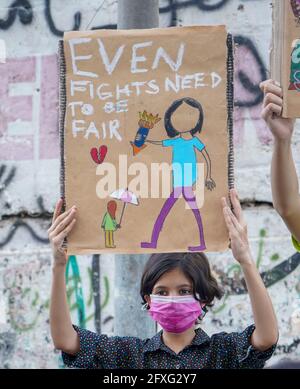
(188, 195)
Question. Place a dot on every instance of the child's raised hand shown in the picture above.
(281, 128)
(237, 229)
(61, 226)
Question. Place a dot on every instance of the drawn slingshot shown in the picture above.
(126, 197)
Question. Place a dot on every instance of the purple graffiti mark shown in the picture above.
(19, 107)
(249, 72)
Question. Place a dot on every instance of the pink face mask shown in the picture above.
(176, 313)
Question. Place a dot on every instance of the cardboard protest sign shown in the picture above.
(144, 135)
(285, 54)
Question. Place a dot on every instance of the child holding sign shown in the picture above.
(175, 288)
(285, 186)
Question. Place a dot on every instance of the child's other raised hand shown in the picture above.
(281, 128)
(237, 229)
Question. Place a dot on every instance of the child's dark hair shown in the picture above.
(171, 131)
(195, 266)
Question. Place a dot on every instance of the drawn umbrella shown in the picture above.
(126, 197)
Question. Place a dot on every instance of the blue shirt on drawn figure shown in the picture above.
(184, 161)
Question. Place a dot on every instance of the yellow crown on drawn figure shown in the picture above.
(148, 117)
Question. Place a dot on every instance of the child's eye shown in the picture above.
(185, 291)
(161, 293)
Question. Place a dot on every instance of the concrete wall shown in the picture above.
(29, 181)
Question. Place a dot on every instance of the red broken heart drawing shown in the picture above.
(98, 156)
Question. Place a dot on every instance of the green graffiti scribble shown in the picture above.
(89, 317)
(15, 325)
(77, 288)
(23, 328)
(274, 257)
(35, 300)
(235, 268)
(106, 286)
(218, 310)
(262, 235)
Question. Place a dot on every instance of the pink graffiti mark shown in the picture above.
(98, 155)
(17, 106)
(245, 61)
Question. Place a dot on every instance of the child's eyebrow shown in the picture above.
(179, 286)
(161, 287)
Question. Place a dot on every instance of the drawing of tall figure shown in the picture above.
(184, 170)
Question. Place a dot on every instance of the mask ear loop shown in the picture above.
(145, 307)
(204, 311)
(203, 307)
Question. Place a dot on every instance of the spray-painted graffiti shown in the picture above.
(288, 349)
(173, 6)
(7, 346)
(20, 223)
(13, 229)
(75, 292)
(249, 72)
(77, 289)
(22, 10)
(95, 274)
(234, 283)
(24, 301)
(8, 179)
(29, 95)
(26, 304)
(5, 181)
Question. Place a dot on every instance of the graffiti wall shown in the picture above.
(29, 178)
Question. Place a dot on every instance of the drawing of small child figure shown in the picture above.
(109, 224)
